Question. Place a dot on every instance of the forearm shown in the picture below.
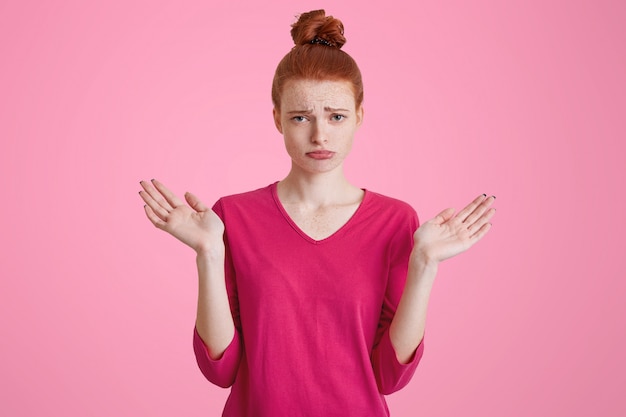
(214, 320)
(407, 327)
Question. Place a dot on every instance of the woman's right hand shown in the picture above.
(195, 224)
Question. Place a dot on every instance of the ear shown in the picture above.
(277, 123)
(359, 116)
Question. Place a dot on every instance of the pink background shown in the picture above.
(523, 99)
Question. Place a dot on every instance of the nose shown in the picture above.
(319, 133)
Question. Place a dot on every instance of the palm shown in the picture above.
(447, 235)
(192, 227)
(194, 224)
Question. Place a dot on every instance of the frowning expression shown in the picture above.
(318, 120)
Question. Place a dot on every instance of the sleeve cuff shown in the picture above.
(221, 371)
(391, 374)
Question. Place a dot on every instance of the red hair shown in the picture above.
(317, 56)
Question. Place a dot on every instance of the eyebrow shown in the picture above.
(328, 109)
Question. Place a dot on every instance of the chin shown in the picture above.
(324, 169)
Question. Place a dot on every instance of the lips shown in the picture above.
(320, 154)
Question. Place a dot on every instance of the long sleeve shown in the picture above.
(223, 371)
(391, 375)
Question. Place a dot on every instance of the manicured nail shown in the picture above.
(484, 195)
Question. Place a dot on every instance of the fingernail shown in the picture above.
(484, 195)
(494, 197)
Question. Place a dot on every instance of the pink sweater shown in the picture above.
(312, 317)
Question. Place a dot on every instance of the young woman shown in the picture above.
(312, 291)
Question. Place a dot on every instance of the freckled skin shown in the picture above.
(314, 116)
(319, 128)
(321, 222)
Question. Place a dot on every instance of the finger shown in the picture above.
(480, 233)
(481, 221)
(444, 216)
(156, 208)
(467, 210)
(195, 202)
(171, 198)
(480, 210)
(156, 196)
(154, 218)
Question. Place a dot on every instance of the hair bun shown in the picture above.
(317, 28)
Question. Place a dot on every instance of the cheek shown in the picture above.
(294, 134)
(348, 135)
(291, 142)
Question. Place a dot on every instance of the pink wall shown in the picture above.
(525, 100)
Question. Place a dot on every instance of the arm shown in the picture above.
(214, 321)
(221, 370)
(200, 228)
(441, 238)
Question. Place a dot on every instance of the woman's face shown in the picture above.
(318, 120)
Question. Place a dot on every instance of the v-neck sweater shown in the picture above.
(311, 316)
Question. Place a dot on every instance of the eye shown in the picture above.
(338, 117)
(299, 119)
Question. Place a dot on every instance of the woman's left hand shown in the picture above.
(447, 234)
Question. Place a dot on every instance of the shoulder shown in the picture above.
(248, 196)
(389, 202)
(249, 201)
(391, 208)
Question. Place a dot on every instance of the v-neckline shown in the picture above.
(302, 233)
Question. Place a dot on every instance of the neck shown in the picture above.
(316, 189)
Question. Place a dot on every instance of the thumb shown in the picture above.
(444, 216)
(195, 203)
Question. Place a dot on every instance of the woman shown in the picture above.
(313, 292)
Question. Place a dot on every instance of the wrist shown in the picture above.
(422, 259)
(422, 272)
(211, 253)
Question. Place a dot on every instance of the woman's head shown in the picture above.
(317, 56)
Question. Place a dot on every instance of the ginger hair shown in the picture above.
(317, 55)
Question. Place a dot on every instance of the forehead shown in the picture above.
(311, 94)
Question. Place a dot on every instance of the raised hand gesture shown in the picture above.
(193, 223)
(447, 234)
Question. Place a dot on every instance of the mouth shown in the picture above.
(320, 154)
